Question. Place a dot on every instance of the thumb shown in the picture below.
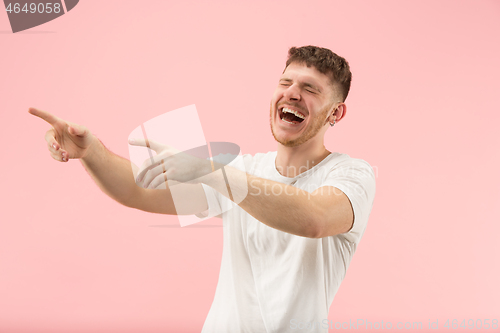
(77, 130)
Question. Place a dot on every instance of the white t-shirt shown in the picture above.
(273, 281)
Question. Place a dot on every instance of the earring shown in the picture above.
(335, 111)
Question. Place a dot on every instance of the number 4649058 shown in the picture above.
(33, 8)
(472, 324)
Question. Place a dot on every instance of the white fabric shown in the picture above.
(272, 281)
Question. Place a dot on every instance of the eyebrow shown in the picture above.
(305, 84)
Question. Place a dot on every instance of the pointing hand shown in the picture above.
(65, 140)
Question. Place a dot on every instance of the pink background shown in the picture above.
(422, 111)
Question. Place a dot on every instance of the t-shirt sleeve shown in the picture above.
(356, 179)
(217, 203)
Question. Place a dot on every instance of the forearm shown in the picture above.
(112, 173)
(277, 205)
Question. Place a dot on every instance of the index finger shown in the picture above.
(157, 147)
(51, 119)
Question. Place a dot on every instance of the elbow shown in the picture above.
(315, 229)
(133, 199)
(327, 225)
(319, 232)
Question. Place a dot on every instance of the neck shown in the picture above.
(292, 161)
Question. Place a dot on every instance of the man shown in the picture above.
(290, 239)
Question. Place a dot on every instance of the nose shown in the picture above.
(292, 93)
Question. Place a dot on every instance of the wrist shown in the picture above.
(228, 181)
(208, 177)
(92, 149)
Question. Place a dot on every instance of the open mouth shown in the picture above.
(291, 116)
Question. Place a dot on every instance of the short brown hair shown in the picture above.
(326, 62)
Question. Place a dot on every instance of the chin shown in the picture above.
(287, 142)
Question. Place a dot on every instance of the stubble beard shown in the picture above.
(313, 128)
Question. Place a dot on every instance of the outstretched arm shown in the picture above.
(324, 212)
(112, 173)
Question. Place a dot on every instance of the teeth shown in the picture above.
(287, 110)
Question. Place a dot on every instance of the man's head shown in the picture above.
(310, 94)
(326, 62)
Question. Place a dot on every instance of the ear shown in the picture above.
(337, 113)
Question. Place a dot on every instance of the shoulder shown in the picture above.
(346, 164)
(262, 161)
(353, 176)
(258, 161)
(264, 157)
(247, 162)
